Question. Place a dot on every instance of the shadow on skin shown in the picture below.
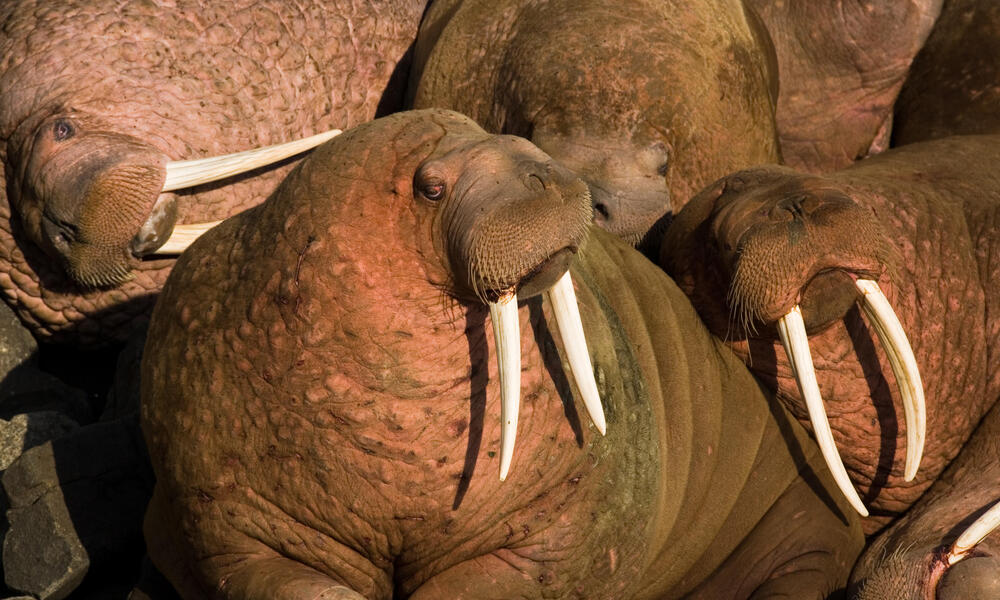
(878, 387)
(475, 329)
(760, 348)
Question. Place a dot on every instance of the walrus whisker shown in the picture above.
(904, 366)
(189, 173)
(792, 331)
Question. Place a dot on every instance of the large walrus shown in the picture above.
(103, 102)
(647, 100)
(321, 399)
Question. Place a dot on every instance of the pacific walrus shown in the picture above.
(648, 101)
(320, 399)
(100, 101)
(920, 220)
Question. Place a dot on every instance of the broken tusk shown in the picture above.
(980, 528)
(792, 331)
(189, 173)
(567, 313)
(182, 237)
(904, 366)
(507, 339)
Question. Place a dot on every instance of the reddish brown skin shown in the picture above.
(321, 410)
(908, 560)
(933, 210)
(954, 84)
(647, 100)
(841, 64)
(178, 80)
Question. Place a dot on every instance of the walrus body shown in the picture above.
(320, 400)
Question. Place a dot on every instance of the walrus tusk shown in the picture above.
(507, 338)
(189, 173)
(182, 237)
(904, 367)
(567, 314)
(792, 331)
(975, 533)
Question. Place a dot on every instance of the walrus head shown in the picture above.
(769, 252)
(397, 226)
(93, 198)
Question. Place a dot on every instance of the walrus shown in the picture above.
(104, 103)
(324, 373)
(763, 244)
(648, 101)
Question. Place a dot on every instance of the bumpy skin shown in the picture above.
(86, 87)
(922, 220)
(954, 83)
(841, 65)
(907, 561)
(648, 101)
(320, 401)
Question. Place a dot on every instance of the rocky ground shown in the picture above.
(73, 469)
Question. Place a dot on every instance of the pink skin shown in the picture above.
(181, 80)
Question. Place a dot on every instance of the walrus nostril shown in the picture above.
(792, 206)
(601, 213)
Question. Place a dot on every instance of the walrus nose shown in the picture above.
(796, 208)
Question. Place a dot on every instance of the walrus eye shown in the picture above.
(433, 191)
(662, 169)
(62, 130)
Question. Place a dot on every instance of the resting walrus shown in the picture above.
(648, 100)
(320, 399)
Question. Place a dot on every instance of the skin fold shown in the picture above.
(921, 220)
(96, 97)
(648, 101)
(320, 400)
(907, 561)
(953, 86)
(841, 65)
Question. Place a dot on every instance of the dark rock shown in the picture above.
(16, 343)
(42, 553)
(79, 497)
(123, 398)
(29, 430)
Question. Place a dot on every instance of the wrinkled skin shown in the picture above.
(841, 65)
(648, 101)
(919, 219)
(96, 97)
(954, 84)
(321, 410)
(907, 561)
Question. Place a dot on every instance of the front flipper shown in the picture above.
(278, 578)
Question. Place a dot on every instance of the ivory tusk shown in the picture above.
(507, 339)
(980, 528)
(904, 367)
(792, 330)
(567, 313)
(189, 173)
(182, 237)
